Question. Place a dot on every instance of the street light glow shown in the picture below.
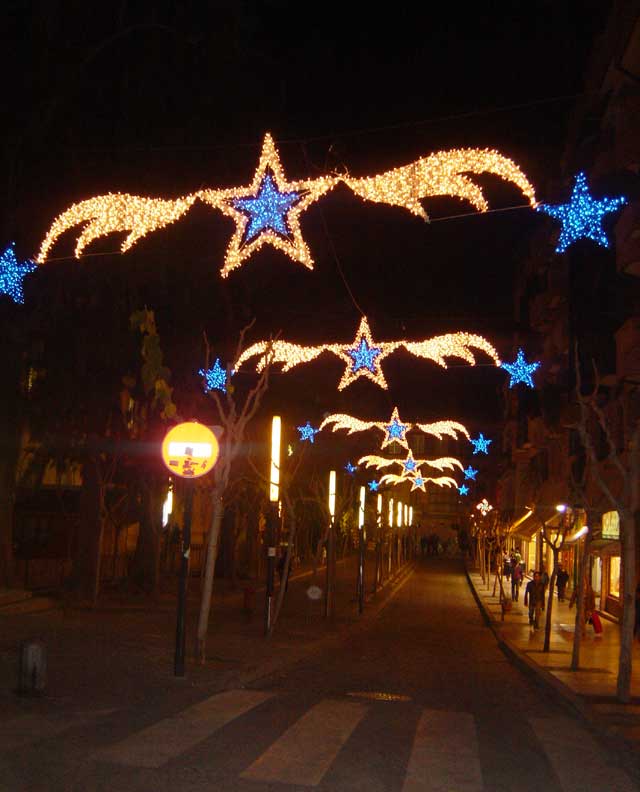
(361, 510)
(332, 493)
(276, 432)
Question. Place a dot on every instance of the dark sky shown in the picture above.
(161, 99)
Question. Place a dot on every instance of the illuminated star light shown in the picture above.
(307, 432)
(481, 444)
(363, 357)
(373, 486)
(440, 481)
(582, 217)
(395, 431)
(351, 469)
(470, 473)
(12, 273)
(520, 370)
(215, 377)
(268, 210)
(409, 464)
(440, 173)
(463, 489)
(443, 463)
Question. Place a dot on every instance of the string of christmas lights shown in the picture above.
(409, 464)
(268, 210)
(363, 356)
(395, 430)
(418, 481)
(12, 274)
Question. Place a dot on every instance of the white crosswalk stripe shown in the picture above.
(444, 755)
(304, 753)
(577, 759)
(156, 745)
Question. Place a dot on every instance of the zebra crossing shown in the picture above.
(444, 755)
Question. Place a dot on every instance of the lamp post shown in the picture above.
(328, 599)
(272, 516)
(361, 538)
(391, 532)
(378, 573)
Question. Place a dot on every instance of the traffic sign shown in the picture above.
(190, 449)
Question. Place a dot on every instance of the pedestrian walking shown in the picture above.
(589, 604)
(534, 599)
(562, 578)
(516, 579)
(506, 566)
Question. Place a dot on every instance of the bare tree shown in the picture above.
(233, 419)
(555, 542)
(625, 500)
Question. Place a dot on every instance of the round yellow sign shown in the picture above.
(190, 449)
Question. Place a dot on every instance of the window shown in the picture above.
(614, 576)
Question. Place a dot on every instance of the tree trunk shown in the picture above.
(145, 568)
(86, 567)
(580, 588)
(623, 690)
(287, 567)
(549, 606)
(213, 540)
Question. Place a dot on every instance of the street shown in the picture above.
(421, 699)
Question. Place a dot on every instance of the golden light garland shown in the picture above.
(418, 481)
(363, 355)
(378, 462)
(268, 210)
(395, 430)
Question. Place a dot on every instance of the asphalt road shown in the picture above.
(421, 700)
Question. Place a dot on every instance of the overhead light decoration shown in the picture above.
(307, 432)
(520, 370)
(484, 507)
(363, 356)
(582, 217)
(12, 274)
(268, 210)
(463, 489)
(409, 464)
(470, 473)
(373, 486)
(481, 444)
(350, 468)
(394, 431)
(215, 378)
(418, 481)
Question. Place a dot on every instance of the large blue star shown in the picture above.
(373, 485)
(267, 211)
(409, 463)
(395, 430)
(12, 273)
(520, 370)
(470, 473)
(215, 377)
(481, 445)
(582, 217)
(307, 432)
(364, 356)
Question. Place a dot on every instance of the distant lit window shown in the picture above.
(614, 576)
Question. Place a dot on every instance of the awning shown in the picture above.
(526, 526)
(605, 547)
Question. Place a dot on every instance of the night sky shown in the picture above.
(162, 99)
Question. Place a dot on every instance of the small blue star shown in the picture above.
(470, 473)
(520, 370)
(409, 464)
(364, 356)
(582, 217)
(481, 445)
(215, 378)
(351, 469)
(373, 486)
(463, 489)
(419, 481)
(12, 273)
(268, 209)
(307, 432)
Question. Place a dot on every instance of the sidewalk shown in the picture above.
(121, 653)
(591, 690)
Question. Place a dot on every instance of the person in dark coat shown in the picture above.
(562, 578)
(534, 598)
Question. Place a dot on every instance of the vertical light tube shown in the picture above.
(390, 512)
(399, 521)
(332, 493)
(379, 509)
(274, 479)
(410, 515)
(361, 509)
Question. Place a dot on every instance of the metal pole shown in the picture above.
(272, 518)
(361, 572)
(182, 589)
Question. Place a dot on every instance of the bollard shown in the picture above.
(33, 668)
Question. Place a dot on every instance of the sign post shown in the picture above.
(189, 450)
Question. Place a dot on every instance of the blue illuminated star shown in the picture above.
(463, 489)
(351, 469)
(418, 482)
(409, 463)
(520, 370)
(470, 473)
(481, 445)
(268, 210)
(215, 377)
(364, 356)
(307, 432)
(12, 273)
(582, 217)
(373, 486)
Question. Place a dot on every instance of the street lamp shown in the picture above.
(361, 551)
(272, 516)
(328, 599)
